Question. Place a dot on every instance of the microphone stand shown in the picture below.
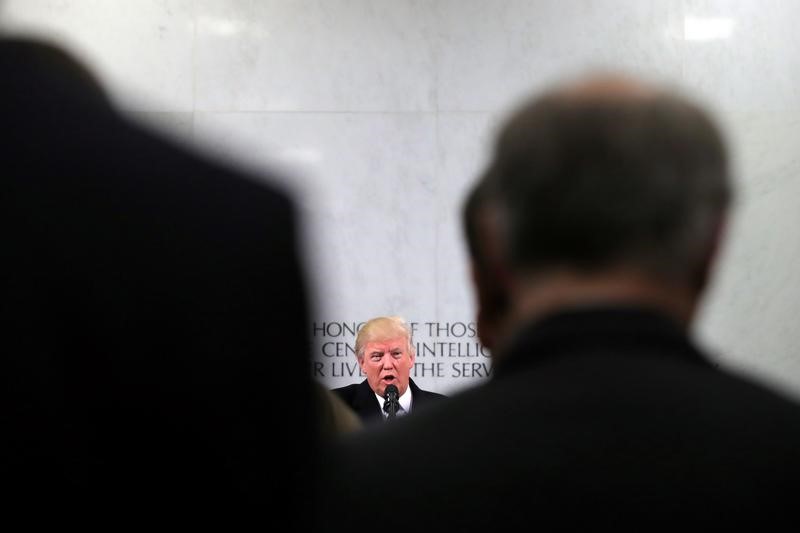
(392, 402)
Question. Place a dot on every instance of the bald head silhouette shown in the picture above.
(601, 188)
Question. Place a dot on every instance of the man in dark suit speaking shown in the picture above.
(604, 204)
(386, 355)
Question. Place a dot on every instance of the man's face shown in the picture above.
(387, 362)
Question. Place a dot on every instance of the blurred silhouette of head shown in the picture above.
(481, 230)
(605, 183)
(50, 61)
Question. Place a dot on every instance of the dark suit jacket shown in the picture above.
(593, 418)
(147, 292)
(362, 400)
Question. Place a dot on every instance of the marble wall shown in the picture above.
(378, 114)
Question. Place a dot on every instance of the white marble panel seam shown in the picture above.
(310, 112)
(194, 61)
(436, 180)
(438, 44)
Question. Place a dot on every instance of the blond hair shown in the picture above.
(381, 328)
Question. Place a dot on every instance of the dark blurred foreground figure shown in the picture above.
(140, 333)
(334, 417)
(596, 223)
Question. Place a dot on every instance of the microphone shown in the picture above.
(392, 403)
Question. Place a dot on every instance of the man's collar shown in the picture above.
(591, 327)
